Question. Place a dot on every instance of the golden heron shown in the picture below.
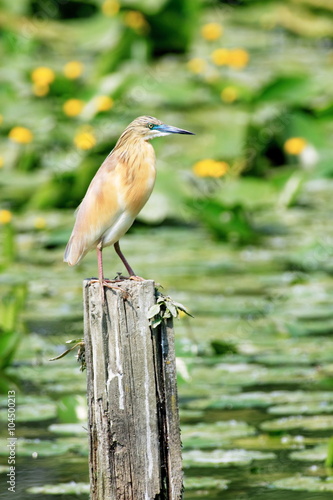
(117, 193)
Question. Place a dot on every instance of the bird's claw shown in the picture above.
(136, 278)
(121, 277)
(109, 284)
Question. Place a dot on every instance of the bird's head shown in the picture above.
(148, 127)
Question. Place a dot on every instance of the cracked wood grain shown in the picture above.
(135, 447)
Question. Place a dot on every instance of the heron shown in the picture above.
(117, 193)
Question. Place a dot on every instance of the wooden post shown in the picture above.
(135, 447)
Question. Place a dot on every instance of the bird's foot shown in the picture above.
(136, 278)
(109, 284)
(121, 277)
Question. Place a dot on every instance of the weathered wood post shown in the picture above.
(135, 447)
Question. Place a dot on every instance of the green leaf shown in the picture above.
(153, 311)
(166, 314)
(182, 308)
(172, 308)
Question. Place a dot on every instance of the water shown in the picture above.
(255, 364)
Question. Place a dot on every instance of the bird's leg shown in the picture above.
(101, 280)
(122, 256)
(100, 264)
(99, 249)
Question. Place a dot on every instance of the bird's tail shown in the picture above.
(73, 252)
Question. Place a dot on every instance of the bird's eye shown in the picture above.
(150, 125)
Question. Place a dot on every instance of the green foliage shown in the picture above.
(170, 20)
(164, 309)
(8, 246)
(221, 347)
(225, 222)
(12, 301)
(157, 58)
(329, 458)
(70, 407)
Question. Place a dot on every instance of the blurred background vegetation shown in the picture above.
(253, 80)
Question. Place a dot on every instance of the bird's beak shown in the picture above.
(168, 129)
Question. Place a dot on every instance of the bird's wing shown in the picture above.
(99, 210)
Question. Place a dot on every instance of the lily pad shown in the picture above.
(205, 483)
(68, 429)
(52, 373)
(23, 399)
(71, 488)
(317, 423)
(299, 409)
(304, 483)
(32, 412)
(260, 399)
(271, 442)
(214, 435)
(36, 448)
(316, 454)
(245, 374)
(223, 458)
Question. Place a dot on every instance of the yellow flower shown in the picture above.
(73, 69)
(220, 57)
(39, 223)
(40, 89)
(104, 103)
(135, 20)
(197, 65)
(110, 8)
(5, 217)
(211, 31)
(295, 145)
(85, 138)
(2, 162)
(73, 107)
(229, 94)
(22, 135)
(210, 168)
(238, 58)
(43, 75)
(219, 169)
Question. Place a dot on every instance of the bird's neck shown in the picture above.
(131, 149)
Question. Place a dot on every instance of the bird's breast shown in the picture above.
(137, 179)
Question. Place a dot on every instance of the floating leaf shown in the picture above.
(223, 458)
(304, 483)
(205, 483)
(213, 435)
(37, 447)
(71, 488)
(32, 413)
(302, 408)
(317, 423)
(68, 429)
(316, 454)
